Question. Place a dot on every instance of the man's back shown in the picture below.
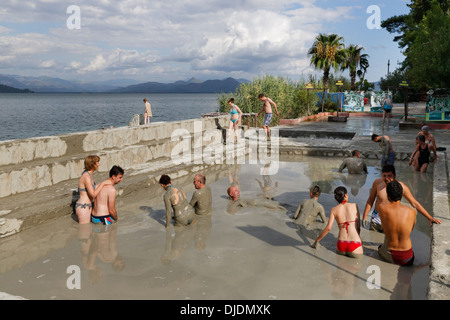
(398, 221)
(105, 202)
(202, 201)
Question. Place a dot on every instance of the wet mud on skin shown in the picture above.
(254, 252)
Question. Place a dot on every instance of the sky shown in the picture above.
(171, 40)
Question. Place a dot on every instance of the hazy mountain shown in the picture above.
(191, 86)
(48, 84)
(8, 89)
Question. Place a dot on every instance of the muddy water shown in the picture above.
(245, 253)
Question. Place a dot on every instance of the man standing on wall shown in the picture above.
(267, 108)
(147, 111)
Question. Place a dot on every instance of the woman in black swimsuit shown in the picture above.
(424, 153)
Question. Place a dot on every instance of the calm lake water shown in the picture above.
(46, 114)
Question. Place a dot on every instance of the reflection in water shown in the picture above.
(197, 233)
(267, 188)
(354, 182)
(99, 242)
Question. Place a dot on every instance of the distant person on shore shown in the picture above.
(348, 220)
(378, 192)
(387, 151)
(309, 209)
(147, 111)
(387, 110)
(421, 155)
(235, 119)
(429, 139)
(175, 200)
(267, 108)
(398, 222)
(105, 204)
(354, 165)
(201, 199)
(88, 190)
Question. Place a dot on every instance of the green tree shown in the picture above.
(428, 55)
(363, 66)
(407, 25)
(354, 60)
(327, 52)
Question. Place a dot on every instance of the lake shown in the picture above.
(46, 114)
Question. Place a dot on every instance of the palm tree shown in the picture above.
(363, 65)
(328, 51)
(354, 59)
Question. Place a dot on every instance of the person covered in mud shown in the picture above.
(309, 209)
(348, 220)
(236, 201)
(201, 199)
(175, 200)
(354, 165)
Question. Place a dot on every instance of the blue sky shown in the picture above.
(169, 41)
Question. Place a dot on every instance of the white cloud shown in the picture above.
(175, 38)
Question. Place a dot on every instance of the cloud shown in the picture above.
(174, 38)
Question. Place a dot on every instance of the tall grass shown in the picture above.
(290, 97)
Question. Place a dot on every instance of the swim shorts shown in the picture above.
(403, 258)
(105, 220)
(267, 119)
(388, 160)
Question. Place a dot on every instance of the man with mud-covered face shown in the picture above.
(379, 193)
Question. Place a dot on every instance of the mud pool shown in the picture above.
(243, 254)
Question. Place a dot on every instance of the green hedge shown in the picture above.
(290, 97)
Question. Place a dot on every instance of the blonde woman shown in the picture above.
(88, 190)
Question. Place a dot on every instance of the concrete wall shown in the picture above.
(30, 164)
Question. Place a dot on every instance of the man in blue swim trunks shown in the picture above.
(267, 108)
(105, 204)
(387, 151)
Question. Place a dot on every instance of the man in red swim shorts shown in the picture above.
(398, 221)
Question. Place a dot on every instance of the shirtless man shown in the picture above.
(387, 152)
(147, 111)
(378, 192)
(354, 164)
(105, 204)
(398, 222)
(267, 108)
(201, 199)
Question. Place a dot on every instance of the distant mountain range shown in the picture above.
(191, 86)
(56, 85)
(8, 89)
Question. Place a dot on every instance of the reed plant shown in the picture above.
(290, 96)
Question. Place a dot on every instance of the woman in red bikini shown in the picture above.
(348, 219)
